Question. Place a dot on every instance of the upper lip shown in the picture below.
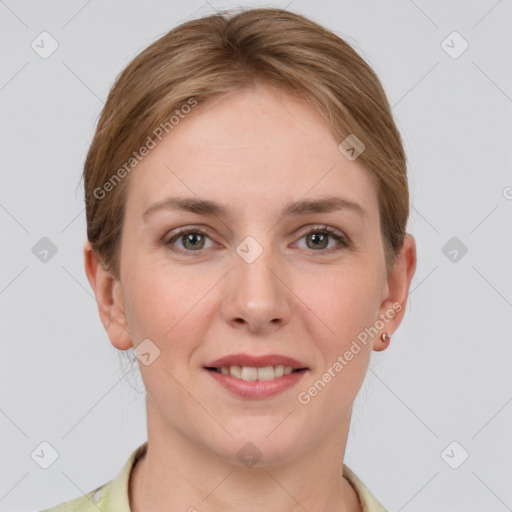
(256, 361)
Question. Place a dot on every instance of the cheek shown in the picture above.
(167, 308)
(340, 312)
(345, 301)
(346, 306)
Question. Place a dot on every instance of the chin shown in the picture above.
(256, 446)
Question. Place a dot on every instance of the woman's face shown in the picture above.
(258, 276)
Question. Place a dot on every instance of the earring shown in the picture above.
(386, 337)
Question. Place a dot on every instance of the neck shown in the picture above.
(177, 473)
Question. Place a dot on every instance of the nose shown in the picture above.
(257, 297)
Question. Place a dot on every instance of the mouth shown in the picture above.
(256, 377)
(256, 368)
(253, 373)
(256, 382)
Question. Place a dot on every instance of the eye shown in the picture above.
(192, 240)
(317, 238)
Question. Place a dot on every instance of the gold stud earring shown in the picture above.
(386, 337)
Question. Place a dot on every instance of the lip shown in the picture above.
(256, 361)
(257, 389)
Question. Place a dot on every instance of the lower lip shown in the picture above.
(257, 388)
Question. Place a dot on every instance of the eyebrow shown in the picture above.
(295, 208)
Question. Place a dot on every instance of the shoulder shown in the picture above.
(368, 501)
(86, 503)
(110, 497)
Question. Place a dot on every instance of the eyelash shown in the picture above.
(343, 242)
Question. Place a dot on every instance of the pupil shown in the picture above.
(322, 238)
(192, 238)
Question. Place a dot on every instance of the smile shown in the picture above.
(252, 387)
(255, 373)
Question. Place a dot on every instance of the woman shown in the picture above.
(247, 201)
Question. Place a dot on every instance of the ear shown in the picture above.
(109, 297)
(392, 308)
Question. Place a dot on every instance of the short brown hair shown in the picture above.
(224, 53)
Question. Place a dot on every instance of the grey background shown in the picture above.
(446, 375)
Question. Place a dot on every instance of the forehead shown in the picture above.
(262, 146)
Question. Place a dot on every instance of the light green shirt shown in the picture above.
(113, 496)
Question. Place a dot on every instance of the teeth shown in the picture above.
(252, 373)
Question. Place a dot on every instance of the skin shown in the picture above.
(254, 151)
